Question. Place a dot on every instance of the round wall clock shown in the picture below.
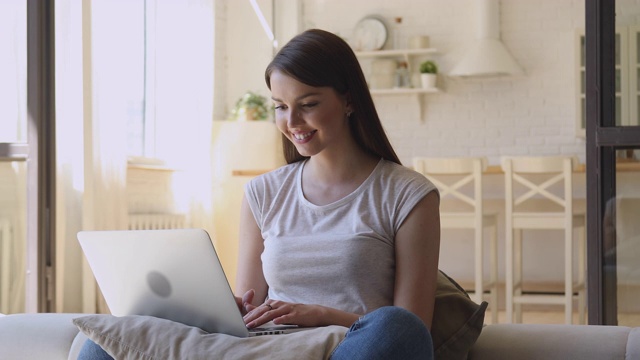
(370, 34)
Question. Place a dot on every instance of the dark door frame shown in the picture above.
(603, 139)
(41, 189)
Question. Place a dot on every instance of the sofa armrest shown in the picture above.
(37, 336)
(633, 344)
(551, 342)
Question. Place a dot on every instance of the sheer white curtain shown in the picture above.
(94, 85)
(13, 114)
(12, 236)
(183, 104)
(69, 154)
(91, 86)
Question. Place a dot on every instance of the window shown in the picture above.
(627, 71)
(13, 71)
(13, 154)
(612, 196)
(136, 49)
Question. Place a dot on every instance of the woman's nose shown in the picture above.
(294, 118)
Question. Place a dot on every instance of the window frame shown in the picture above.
(603, 139)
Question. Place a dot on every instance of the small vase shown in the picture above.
(247, 114)
(428, 81)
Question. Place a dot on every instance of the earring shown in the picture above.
(348, 114)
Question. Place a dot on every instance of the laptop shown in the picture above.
(171, 274)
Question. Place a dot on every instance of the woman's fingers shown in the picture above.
(248, 296)
(244, 302)
(264, 313)
(282, 313)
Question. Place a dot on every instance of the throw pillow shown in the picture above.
(457, 323)
(147, 337)
(457, 320)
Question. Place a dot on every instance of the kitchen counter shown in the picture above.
(623, 165)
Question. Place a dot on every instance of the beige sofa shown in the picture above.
(54, 336)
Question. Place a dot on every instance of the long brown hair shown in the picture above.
(319, 58)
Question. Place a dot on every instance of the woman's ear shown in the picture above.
(348, 105)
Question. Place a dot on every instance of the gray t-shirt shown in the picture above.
(339, 255)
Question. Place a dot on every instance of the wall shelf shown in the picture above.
(411, 91)
(396, 52)
(408, 55)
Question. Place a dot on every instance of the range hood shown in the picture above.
(487, 56)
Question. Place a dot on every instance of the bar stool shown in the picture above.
(536, 175)
(452, 176)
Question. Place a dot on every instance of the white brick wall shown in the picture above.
(532, 115)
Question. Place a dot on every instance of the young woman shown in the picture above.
(344, 234)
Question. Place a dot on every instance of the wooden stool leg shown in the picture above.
(582, 304)
(518, 273)
(494, 273)
(509, 275)
(568, 276)
(479, 265)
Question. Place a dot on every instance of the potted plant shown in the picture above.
(428, 74)
(251, 106)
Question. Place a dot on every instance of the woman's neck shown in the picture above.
(340, 167)
(328, 179)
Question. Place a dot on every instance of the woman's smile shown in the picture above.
(312, 118)
(303, 137)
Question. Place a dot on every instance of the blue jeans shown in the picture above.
(387, 333)
(92, 351)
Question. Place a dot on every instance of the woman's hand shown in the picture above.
(284, 313)
(288, 313)
(244, 302)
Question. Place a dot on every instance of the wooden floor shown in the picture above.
(557, 317)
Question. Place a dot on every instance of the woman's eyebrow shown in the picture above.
(299, 97)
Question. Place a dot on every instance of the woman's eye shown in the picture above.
(278, 107)
(310, 105)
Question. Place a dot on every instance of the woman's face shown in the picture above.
(313, 118)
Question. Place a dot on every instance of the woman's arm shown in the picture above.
(250, 276)
(417, 250)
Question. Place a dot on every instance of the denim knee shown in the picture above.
(394, 318)
(396, 314)
(388, 332)
(93, 351)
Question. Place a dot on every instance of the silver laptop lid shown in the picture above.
(171, 274)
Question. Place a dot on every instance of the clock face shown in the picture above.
(370, 34)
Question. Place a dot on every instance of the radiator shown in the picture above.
(156, 221)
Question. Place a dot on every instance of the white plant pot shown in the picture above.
(428, 80)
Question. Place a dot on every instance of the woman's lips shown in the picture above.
(303, 137)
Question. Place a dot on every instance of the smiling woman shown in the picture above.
(370, 259)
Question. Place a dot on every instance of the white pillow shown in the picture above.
(146, 337)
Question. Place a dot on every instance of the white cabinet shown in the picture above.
(627, 71)
(412, 57)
